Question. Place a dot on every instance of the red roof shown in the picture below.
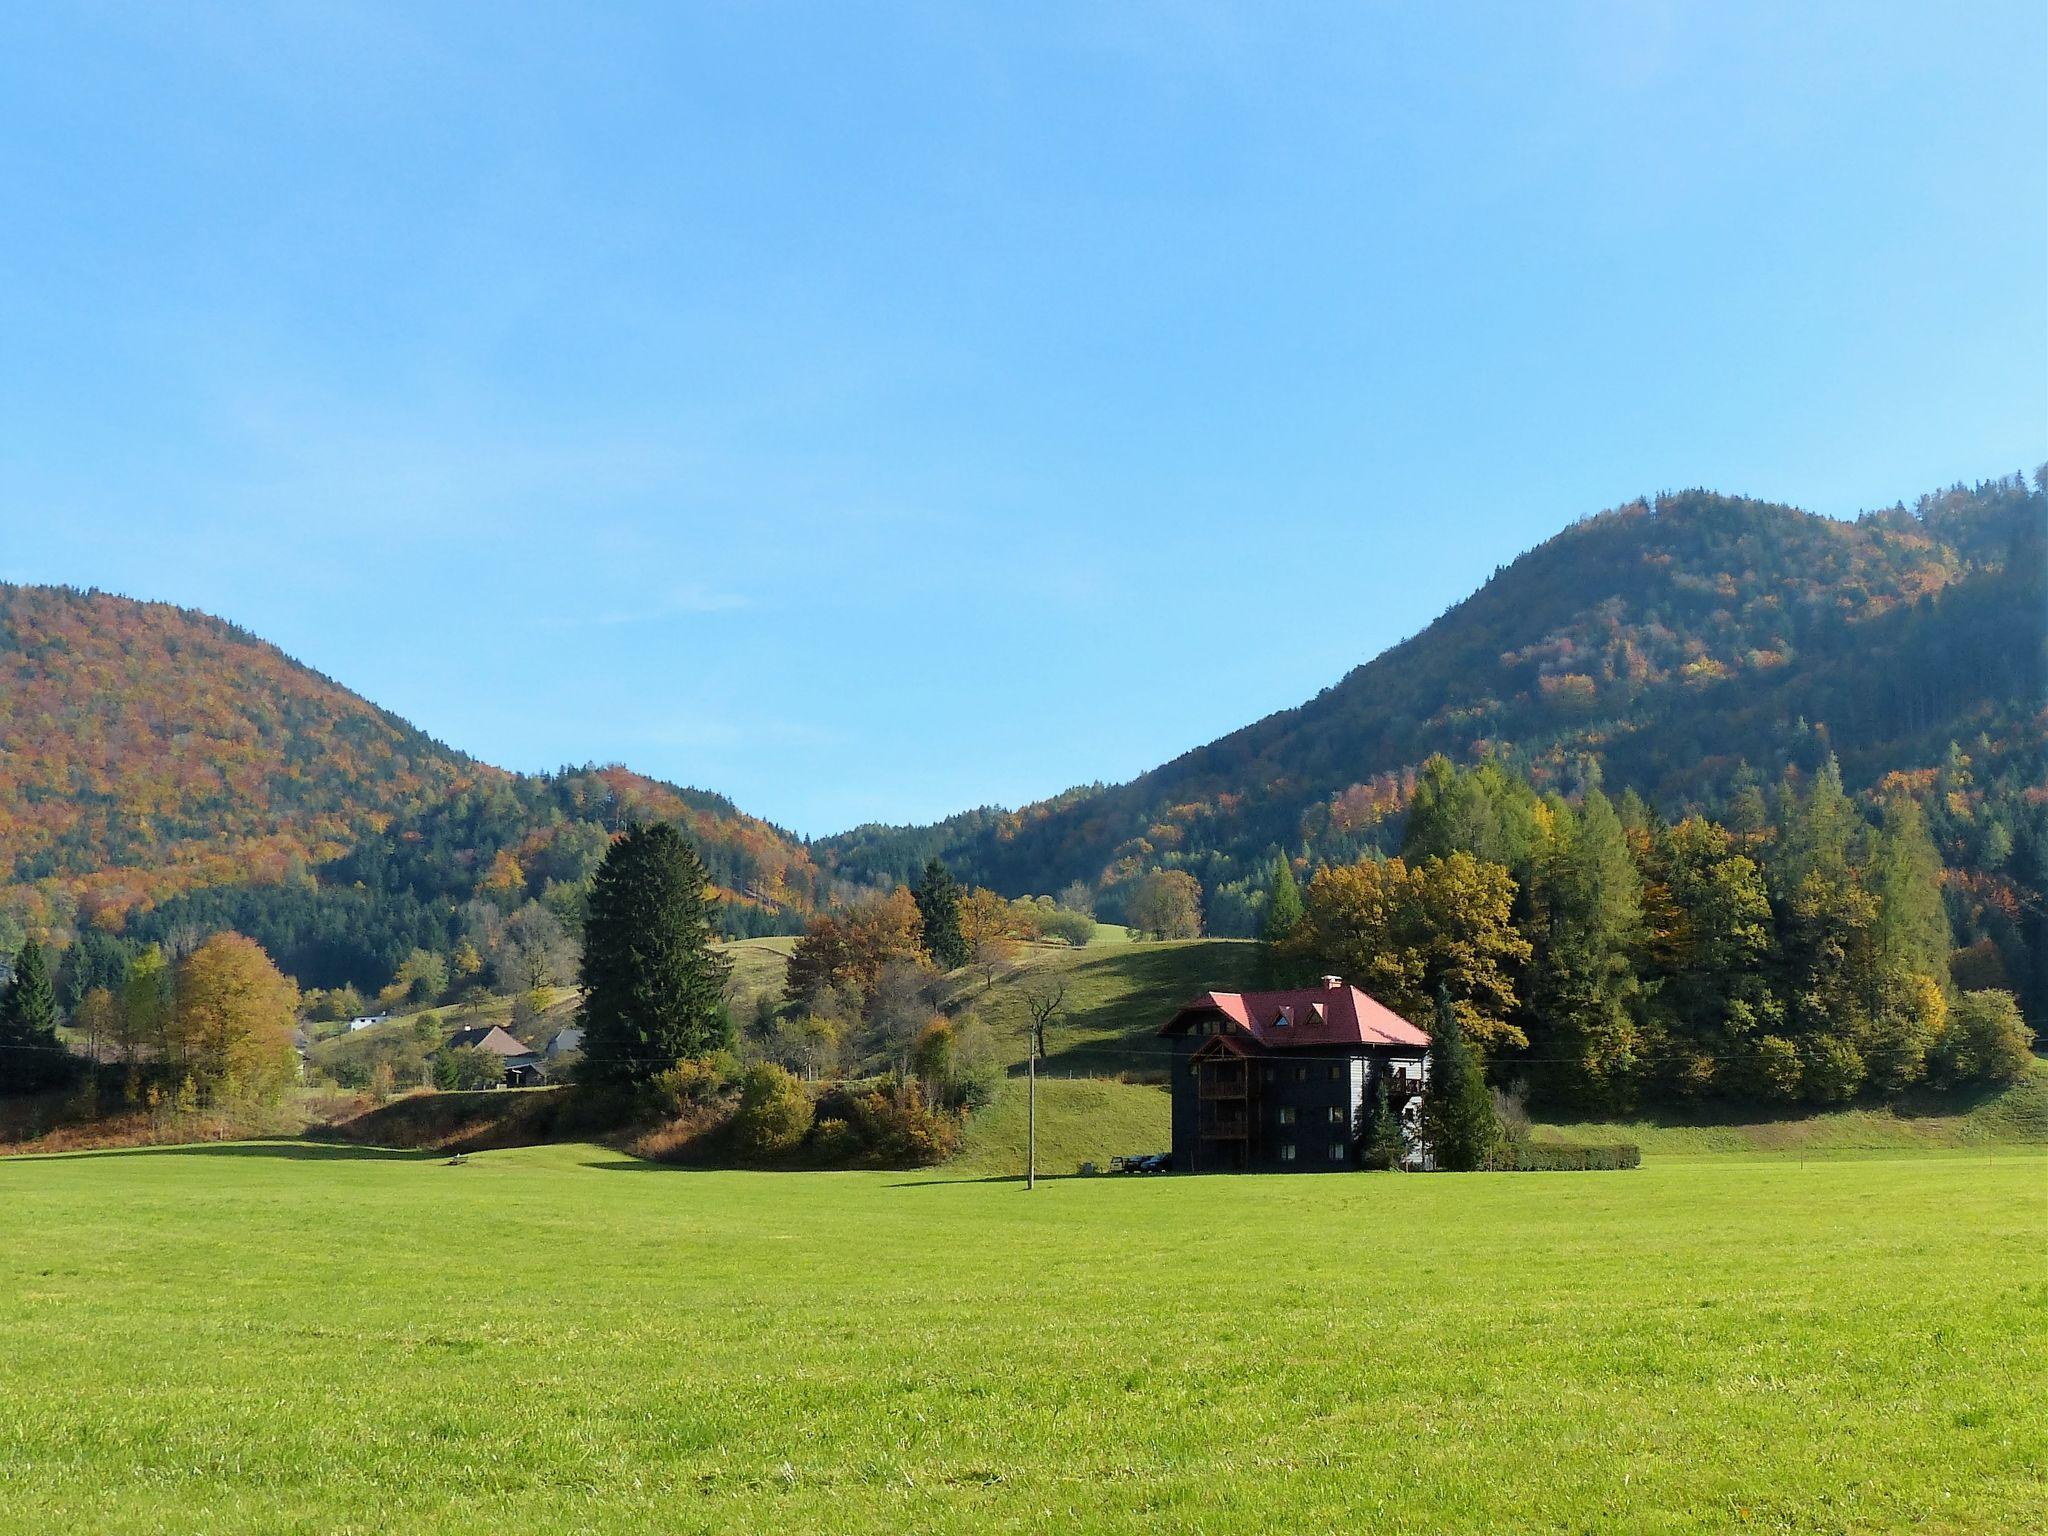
(1337, 1015)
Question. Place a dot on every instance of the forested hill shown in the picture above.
(1684, 646)
(146, 749)
(161, 767)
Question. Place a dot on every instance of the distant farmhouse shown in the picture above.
(1284, 1082)
(522, 1062)
(368, 1021)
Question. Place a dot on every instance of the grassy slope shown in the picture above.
(293, 1339)
(2013, 1116)
(1118, 993)
(758, 966)
(1082, 1120)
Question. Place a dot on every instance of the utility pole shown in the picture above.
(1043, 1001)
(1031, 1118)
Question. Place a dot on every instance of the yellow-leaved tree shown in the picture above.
(231, 1021)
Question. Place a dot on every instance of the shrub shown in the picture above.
(1773, 1068)
(899, 1128)
(1986, 1040)
(1548, 1157)
(687, 1085)
(1076, 928)
(1830, 1070)
(461, 1069)
(774, 1114)
(834, 1144)
(933, 1056)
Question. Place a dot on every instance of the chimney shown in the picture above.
(1332, 983)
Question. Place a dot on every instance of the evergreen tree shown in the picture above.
(1385, 1146)
(653, 986)
(1458, 1123)
(1279, 922)
(1711, 951)
(1819, 831)
(1484, 811)
(1587, 913)
(938, 903)
(1283, 903)
(31, 1055)
(1913, 932)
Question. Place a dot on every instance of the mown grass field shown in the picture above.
(290, 1338)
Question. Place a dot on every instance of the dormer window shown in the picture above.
(1283, 1018)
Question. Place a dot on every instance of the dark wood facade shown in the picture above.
(1261, 1084)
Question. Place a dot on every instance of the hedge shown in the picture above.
(1559, 1157)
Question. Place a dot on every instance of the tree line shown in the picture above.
(1605, 957)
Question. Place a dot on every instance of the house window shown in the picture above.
(1301, 1074)
(1265, 1074)
(1337, 1115)
(1336, 1151)
(1336, 1073)
(1287, 1153)
(1287, 1114)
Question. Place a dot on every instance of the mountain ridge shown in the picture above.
(1680, 646)
(1695, 633)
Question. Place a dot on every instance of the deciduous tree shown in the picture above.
(231, 1018)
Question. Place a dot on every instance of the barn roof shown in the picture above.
(495, 1038)
(1332, 1014)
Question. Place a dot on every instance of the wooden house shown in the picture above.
(1285, 1082)
(521, 1061)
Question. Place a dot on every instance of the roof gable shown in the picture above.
(495, 1038)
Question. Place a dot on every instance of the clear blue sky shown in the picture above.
(872, 411)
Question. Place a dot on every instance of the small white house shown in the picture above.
(369, 1020)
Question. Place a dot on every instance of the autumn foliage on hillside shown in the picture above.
(146, 749)
(1686, 647)
(160, 769)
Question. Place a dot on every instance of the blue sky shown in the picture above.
(874, 411)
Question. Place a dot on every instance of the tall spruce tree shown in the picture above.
(1283, 903)
(653, 986)
(1459, 1126)
(31, 1055)
(1587, 912)
(938, 903)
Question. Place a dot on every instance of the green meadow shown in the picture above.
(299, 1338)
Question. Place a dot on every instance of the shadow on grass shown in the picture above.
(908, 1181)
(289, 1151)
(982, 1178)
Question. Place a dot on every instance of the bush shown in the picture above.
(899, 1128)
(1076, 928)
(1831, 1071)
(1772, 1068)
(460, 1069)
(834, 1144)
(1547, 1157)
(688, 1085)
(774, 1114)
(1986, 1041)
